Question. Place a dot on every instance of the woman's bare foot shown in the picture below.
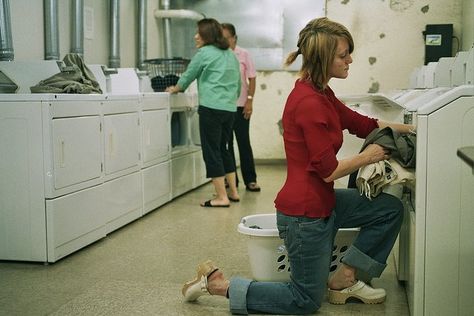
(216, 202)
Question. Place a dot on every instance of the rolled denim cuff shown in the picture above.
(359, 260)
(238, 295)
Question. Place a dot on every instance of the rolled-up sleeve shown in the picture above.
(313, 122)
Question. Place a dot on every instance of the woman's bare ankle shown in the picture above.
(217, 284)
(342, 278)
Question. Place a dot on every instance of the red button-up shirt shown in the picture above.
(313, 122)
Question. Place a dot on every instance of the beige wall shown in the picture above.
(383, 32)
(467, 24)
(393, 37)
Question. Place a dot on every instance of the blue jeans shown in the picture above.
(309, 244)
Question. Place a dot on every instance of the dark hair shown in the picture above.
(211, 33)
(229, 27)
(317, 43)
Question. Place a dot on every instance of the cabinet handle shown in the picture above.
(62, 153)
(111, 143)
(148, 137)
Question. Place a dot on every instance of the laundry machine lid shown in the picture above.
(446, 98)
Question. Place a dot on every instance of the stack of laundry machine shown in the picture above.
(76, 167)
(436, 248)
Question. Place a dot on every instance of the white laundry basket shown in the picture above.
(267, 252)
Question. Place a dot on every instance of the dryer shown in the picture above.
(51, 166)
(183, 151)
(156, 145)
(435, 241)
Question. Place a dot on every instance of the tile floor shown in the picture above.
(139, 269)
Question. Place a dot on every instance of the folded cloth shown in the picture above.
(79, 79)
(404, 175)
(372, 179)
(402, 148)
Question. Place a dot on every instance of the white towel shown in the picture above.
(373, 178)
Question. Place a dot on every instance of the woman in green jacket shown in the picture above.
(217, 72)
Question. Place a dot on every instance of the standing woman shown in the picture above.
(218, 78)
(244, 111)
(309, 209)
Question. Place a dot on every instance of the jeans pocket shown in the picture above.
(282, 231)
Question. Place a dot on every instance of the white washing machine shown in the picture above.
(51, 166)
(436, 248)
(123, 187)
(442, 227)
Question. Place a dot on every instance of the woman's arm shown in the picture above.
(401, 128)
(372, 153)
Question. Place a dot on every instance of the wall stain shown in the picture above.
(372, 60)
(263, 86)
(345, 1)
(382, 35)
(400, 5)
(374, 88)
(425, 9)
(279, 92)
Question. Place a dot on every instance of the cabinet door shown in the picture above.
(156, 186)
(121, 132)
(194, 121)
(76, 150)
(156, 136)
(182, 174)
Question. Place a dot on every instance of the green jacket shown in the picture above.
(218, 78)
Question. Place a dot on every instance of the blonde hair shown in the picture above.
(317, 43)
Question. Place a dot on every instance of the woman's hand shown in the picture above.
(374, 153)
(247, 111)
(173, 89)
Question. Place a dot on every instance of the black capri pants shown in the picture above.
(215, 128)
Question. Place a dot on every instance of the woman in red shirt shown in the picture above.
(309, 209)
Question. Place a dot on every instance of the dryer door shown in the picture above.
(76, 150)
(121, 144)
(156, 136)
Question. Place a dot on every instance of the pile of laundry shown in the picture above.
(372, 179)
(76, 78)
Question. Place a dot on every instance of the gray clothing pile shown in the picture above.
(77, 79)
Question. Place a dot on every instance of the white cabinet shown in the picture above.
(182, 174)
(74, 221)
(122, 201)
(199, 169)
(156, 186)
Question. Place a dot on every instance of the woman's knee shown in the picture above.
(395, 206)
(309, 307)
